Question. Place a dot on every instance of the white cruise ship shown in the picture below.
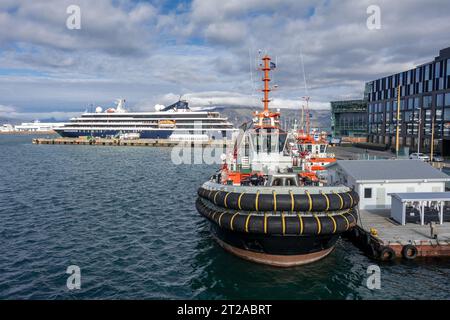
(175, 122)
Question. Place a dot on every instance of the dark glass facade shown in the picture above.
(424, 107)
(349, 118)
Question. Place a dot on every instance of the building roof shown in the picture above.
(390, 170)
(419, 196)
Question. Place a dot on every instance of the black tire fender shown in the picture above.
(409, 252)
(386, 254)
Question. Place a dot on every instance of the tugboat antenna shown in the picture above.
(308, 129)
(303, 71)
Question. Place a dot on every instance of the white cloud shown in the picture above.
(12, 113)
(104, 26)
(6, 109)
(229, 99)
(226, 32)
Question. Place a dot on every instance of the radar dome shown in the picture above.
(159, 107)
(98, 109)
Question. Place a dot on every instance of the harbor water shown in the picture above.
(126, 216)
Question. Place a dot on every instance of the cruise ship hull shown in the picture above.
(144, 134)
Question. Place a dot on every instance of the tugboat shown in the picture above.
(260, 204)
(311, 146)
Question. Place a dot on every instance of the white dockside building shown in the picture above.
(375, 180)
(37, 126)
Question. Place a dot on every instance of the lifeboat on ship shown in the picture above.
(264, 207)
(166, 124)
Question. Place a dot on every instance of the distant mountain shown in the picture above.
(50, 120)
(19, 121)
(4, 120)
(238, 115)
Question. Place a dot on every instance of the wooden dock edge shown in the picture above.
(377, 249)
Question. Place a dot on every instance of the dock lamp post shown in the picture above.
(397, 144)
(419, 122)
(432, 138)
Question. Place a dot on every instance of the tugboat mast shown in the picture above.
(267, 119)
(266, 80)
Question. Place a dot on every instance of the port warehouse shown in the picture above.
(35, 126)
(403, 211)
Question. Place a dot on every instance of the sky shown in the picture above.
(153, 52)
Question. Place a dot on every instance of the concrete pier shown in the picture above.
(135, 142)
(376, 231)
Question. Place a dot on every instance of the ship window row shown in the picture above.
(113, 132)
(147, 127)
(138, 124)
(158, 116)
(84, 120)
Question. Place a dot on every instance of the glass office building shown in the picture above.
(349, 118)
(424, 107)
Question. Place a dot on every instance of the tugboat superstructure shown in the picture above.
(263, 206)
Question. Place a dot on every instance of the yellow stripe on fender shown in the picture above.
(265, 223)
(346, 220)
(256, 200)
(327, 200)
(274, 201)
(354, 219)
(220, 218)
(283, 224)
(246, 222)
(351, 199)
(319, 225)
(232, 219)
(340, 198)
(309, 200)
(334, 223)
(225, 199)
(215, 197)
(239, 200)
(292, 201)
(301, 223)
